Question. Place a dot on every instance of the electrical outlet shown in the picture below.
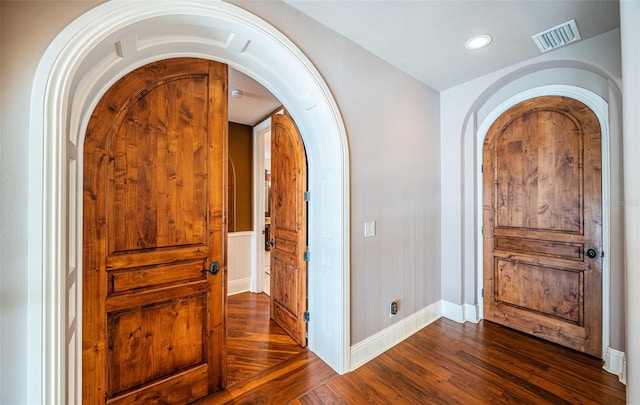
(369, 229)
(394, 308)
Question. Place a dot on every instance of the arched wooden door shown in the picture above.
(288, 228)
(155, 160)
(542, 224)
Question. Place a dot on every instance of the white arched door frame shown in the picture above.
(84, 60)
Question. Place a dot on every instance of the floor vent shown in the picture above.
(558, 36)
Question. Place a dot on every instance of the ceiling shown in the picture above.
(426, 38)
(256, 101)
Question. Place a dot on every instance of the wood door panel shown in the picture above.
(285, 294)
(538, 160)
(288, 281)
(134, 299)
(156, 340)
(541, 213)
(164, 156)
(154, 276)
(286, 165)
(176, 389)
(156, 257)
(555, 292)
(154, 207)
(572, 251)
(288, 243)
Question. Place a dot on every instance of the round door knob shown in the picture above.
(592, 253)
(214, 268)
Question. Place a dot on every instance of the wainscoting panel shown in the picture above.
(239, 262)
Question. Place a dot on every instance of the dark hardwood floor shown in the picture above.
(254, 342)
(444, 363)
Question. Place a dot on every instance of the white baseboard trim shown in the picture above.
(238, 286)
(615, 362)
(460, 313)
(471, 313)
(452, 311)
(384, 340)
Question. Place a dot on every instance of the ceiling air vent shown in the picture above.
(558, 36)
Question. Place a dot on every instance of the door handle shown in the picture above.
(269, 244)
(592, 253)
(214, 268)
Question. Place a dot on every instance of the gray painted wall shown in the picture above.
(392, 122)
(26, 29)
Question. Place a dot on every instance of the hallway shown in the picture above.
(254, 342)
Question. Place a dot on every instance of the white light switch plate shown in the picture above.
(369, 229)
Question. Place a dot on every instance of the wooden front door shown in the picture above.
(288, 228)
(155, 160)
(542, 232)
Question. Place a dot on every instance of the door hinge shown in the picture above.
(482, 293)
(306, 196)
(305, 317)
(306, 256)
(481, 168)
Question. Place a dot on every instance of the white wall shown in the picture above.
(630, 32)
(593, 64)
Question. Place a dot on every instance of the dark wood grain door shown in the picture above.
(155, 160)
(288, 228)
(543, 224)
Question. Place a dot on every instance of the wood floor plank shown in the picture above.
(279, 385)
(356, 388)
(513, 374)
(473, 374)
(254, 341)
(322, 395)
(445, 363)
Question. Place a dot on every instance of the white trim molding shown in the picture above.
(375, 345)
(615, 362)
(471, 313)
(452, 311)
(259, 196)
(459, 313)
(78, 67)
(238, 286)
(239, 260)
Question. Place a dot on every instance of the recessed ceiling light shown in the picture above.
(479, 41)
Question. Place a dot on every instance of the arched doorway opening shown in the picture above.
(610, 188)
(77, 68)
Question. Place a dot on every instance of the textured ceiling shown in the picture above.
(425, 38)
